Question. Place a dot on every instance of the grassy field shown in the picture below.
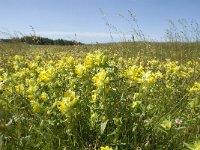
(104, 96)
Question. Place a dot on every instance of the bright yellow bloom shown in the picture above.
(106, 148)
(100, 78)
(67, 102)
(43, 76)
(88, 63)
(62, 106)
(80, 70)
(134, 73)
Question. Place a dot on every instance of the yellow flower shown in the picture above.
(136, 104)
(35, 106)
(166, 124)
(79, 70)
(19, 88)
(195, 146)
(67, 102)
(100, 78)
(32, 90)
(59, 64)
(44, 96)
(134, 73)
(69, 61)
(62, 106)
(43, 76)
(195, 87)
(94, 97)
(105, 148)
(32, 65)
(88, 63)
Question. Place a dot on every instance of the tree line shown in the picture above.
(37, 40)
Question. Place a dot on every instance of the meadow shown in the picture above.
(115, 96)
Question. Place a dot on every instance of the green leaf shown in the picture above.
(103, 126)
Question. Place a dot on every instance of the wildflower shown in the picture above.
(32, 90)
(79, 70)
(100, 78)
(94, 97)
(88, 63)
(43, 76)
(59, 64)
(120, 59)
(136, 104)
(134, 73)
(194, 146)
(158, 74)
(19, 88)
(62, 106)
(35, 106)
(195, 87)
(44, 96)
(106, 148)
(97, 58)
(166, 124)
(67, 102)
(178, 121)
(69, 61)
(148, 77)
(93, 119)
(32, 65)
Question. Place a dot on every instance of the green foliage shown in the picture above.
(113, 96)
(37, 40)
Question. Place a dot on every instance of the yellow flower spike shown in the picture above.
(35, 106)
(166, 124)
(80, 70)
(100, 78)
(43, 76)
(158, 74)
(44, 96)
(195, 87)
(69, 61)
(19, 88)
(88, 63)
(134, 73)
(106, 148)
(32, 90)
(62, 106)
(94, 98)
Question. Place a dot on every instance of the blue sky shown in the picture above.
(82, 20)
